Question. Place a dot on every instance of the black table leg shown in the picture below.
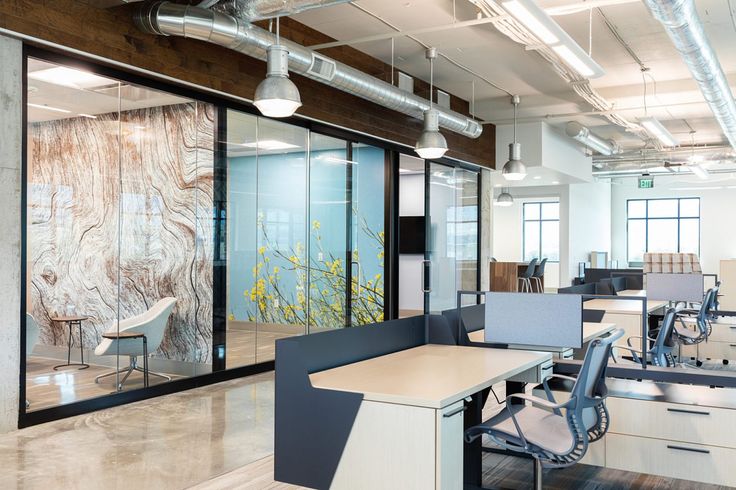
(472, 452)
(145, 362)
(81, 364)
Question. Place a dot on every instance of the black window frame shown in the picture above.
(647, 218)
(540, 220)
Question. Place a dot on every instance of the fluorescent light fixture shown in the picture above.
(580, 133)
(340, 161)
(530, 21)
(88, 116)
(543, 27)
(70, 77)
(657, 130)
(700, 171)
(49, 108)
(269, 145)
(715, 188)
(555, 182)
(537, 177)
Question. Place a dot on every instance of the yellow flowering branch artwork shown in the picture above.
(323, 276)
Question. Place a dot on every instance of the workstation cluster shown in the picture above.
(407, 403)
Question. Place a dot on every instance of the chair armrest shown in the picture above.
(548, 392)
(636, 353)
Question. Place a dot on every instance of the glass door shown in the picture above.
(451, 253)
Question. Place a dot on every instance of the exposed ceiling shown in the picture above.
(671, 94)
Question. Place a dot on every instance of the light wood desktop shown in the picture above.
(624, 313)
(408, 432)
(590, 332)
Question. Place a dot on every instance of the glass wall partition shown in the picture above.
(118, 235)
(305, 234)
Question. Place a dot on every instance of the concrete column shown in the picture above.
(486, 230)
(11, 131)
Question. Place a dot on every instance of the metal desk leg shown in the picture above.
(145, 362)
(472, 453)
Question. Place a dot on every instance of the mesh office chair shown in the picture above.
(524, 282)
(662, 344)
(694, 326)
(554, 439)
(538, 274)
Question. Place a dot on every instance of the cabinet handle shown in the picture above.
(732, 345)
(690, 449)
(693, 412)
(455, 412)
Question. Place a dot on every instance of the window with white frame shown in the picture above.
(541, 227)
(662, 225)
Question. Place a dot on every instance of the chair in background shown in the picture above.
(694, 326)
(524, 282)
(152, 325)
(662, 345)
(554, 439)
(538, 275)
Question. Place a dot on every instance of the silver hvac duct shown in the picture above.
(682, 23)
(170, 19)
(267, 9)
(580, 133)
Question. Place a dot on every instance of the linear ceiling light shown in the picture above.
(549, 32)
(657, 130)
(698, 170)
(49, 108)
(583, 135)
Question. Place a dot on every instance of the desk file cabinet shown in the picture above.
(677, 431)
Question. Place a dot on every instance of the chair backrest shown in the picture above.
(151, 323)
(540, 268)
(590, 387)
(529, 272)
(33, 332)
(661, 351)
(705, 310)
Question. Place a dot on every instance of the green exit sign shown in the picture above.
(646, 182)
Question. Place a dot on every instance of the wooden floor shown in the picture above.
(499, 472)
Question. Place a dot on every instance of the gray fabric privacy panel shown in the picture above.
(675, 287)
(545, 320)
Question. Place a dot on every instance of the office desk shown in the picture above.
(408, 432)
(632, 292)
(624, 313)
(590, 331)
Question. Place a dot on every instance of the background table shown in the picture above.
(71, 321)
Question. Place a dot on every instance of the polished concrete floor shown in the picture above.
(48, 388)
(170, 442)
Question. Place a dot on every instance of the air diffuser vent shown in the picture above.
(322, 67)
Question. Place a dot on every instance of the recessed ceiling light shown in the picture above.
(537, 177)
(269, 145)
(70, 77)
(496, 185)
(555, 182)
(88, 116)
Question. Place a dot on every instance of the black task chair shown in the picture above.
(538, 274)
(524, 282)
(694, 326)
(556, 439)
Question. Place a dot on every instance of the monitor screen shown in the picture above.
(412, 234)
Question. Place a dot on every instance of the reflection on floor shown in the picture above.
(47, 388)
(245, 347)
(169, 442)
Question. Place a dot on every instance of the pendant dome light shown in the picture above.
(514, 168)
(504, 199)
(431, 144)
(276, 95)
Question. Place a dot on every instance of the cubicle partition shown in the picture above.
(312, 425)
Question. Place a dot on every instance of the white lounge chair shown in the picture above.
(152, 324)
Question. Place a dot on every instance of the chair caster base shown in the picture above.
(698, 363)
(725, 362)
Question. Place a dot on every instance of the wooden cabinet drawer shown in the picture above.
(717, 350)
(671, 421)
(723, 331)
(696, 462)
